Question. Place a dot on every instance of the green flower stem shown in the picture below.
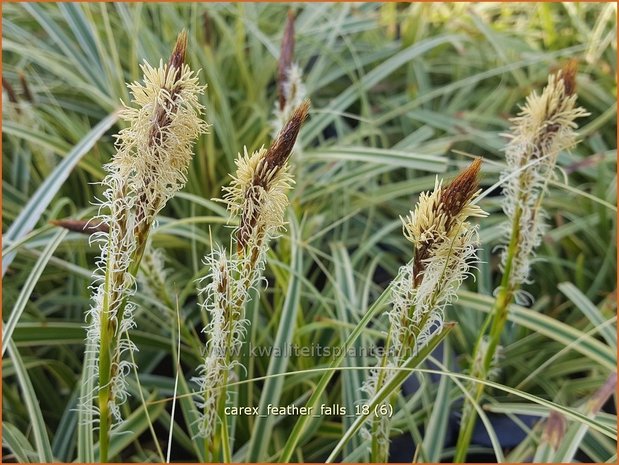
(220, 438)
(105, 366)
(377, 455)
(108, 357)
(498, 315)
(218, 445)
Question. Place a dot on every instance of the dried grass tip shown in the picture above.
(285, 59)
(281, 148)
(82, 226)
(177, 59)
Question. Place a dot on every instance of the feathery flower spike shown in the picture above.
(444, 249)
(258, 191)
(149, 167)
(258, 196)
(544, 127)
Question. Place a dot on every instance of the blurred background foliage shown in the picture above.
(400, 93)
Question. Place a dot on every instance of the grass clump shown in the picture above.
(401, 94)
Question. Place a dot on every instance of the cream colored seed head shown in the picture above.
(165, 119)
(427, 221)
(430, 223)
(269, 202)
(545, 126)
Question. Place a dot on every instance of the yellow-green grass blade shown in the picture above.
(24, 296)
(345, 99)
(40, 200)
(301, 424)
(390, 387)
(580, 300)
(436, 427)
(597, 351)
(15, 441)
(39, 430)
(85, 417)
(347, 312)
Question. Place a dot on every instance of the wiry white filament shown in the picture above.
(417, 313)
(225, 295)
(218, 303)
(153, 274)
(371, 387)
(480, 355)
(113, 285)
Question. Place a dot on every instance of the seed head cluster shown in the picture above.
(165, 118)
(439, 215)
(258, 192)
(545, 126)
(150, 165)
(258, 196)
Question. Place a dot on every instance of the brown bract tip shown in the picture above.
(285, 58)
(460, 191)
(555, 429)
(177, 59)
(279, 151)
(602, 395)
(81, 226)
(10, 92)
(175, 63)
(454, 198)
(568, 75)
(25, 88)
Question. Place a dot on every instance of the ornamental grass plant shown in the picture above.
(422, 270)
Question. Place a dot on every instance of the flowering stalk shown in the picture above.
(149, 167)
(290, 89)
(544, 128)
(258, 197)
(444, 248)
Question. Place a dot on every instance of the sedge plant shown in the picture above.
(444, 247)
(149, 167)
(545, 126)
(257, 197)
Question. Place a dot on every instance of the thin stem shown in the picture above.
(104, 366)
(150, 422)
(499, 318)
(377, 455)
(108, 355)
